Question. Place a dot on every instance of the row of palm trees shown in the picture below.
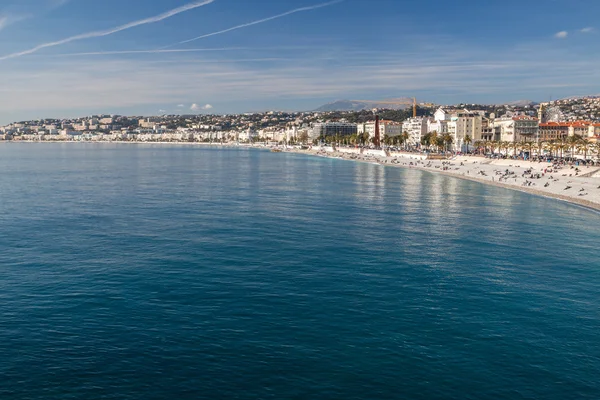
(441, 142)
(365, 139)
(556, 148)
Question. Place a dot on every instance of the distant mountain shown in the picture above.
(522, 103)
(356, 105)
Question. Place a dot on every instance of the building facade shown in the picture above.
(386, 128)
(416, 129)
(324, 129)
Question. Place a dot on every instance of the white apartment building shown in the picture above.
(441, 115)
(247, 135)
(440, 127)
(517, 129)
(386, 128)
(416, 129)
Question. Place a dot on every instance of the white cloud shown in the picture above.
(77, 86)
(110, 31)
(10, 19)
(561, 35)
(587, 30)
(196, 107)
(180, 105)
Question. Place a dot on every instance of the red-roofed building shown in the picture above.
(562, 130)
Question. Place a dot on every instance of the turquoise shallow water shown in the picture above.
(152, 272)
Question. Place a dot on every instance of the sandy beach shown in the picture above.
(575, 184)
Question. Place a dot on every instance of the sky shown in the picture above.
(70, 58)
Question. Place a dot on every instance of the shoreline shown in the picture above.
(465, 168)
(535, 191)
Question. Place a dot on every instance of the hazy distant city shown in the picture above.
(461, 124)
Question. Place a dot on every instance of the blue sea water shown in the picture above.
(172, 271)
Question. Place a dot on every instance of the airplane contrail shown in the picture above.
(121, 52)
(159, 51)
(260, 21)
(151, 20)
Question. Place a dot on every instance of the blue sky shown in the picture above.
(65, 58)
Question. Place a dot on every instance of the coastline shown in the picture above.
(591, 203)
(471, 168)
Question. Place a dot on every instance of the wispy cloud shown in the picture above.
(589, 29)
(9, 19)
(196, 107)
(3, 21)
(99, 85)
(57, 3)
(158, 51)
(561, 34)
(195, 50)
(111, 31)
(260, 21)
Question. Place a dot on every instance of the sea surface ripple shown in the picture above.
(173, 271)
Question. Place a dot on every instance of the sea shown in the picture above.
(150, 271)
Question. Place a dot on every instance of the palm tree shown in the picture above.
(570, 143)
(559, 147)
(549, 146)
(467, 142)
(529, 147)
(492, 145)
(501, 146)
(514, 146)
(596, 148)
(433, 139)
(479, 144)
(540, 147)
(440, 143)
(404, 137)
(447, 139)
(585, 146)
(387, 139)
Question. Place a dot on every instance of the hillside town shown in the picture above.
(457, 128)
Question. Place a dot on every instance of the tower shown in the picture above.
(377, 141)
(541, 111)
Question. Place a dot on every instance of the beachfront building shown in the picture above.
(594, 131)
(247, 135)
(440, 127)
(439, 122)
(416, 129)
(441, 115)
(463, 124)
(324, 129)
(549, 131)
(489, 131)
(386, 128)
(517, 129)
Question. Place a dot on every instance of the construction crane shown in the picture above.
(412, 103)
